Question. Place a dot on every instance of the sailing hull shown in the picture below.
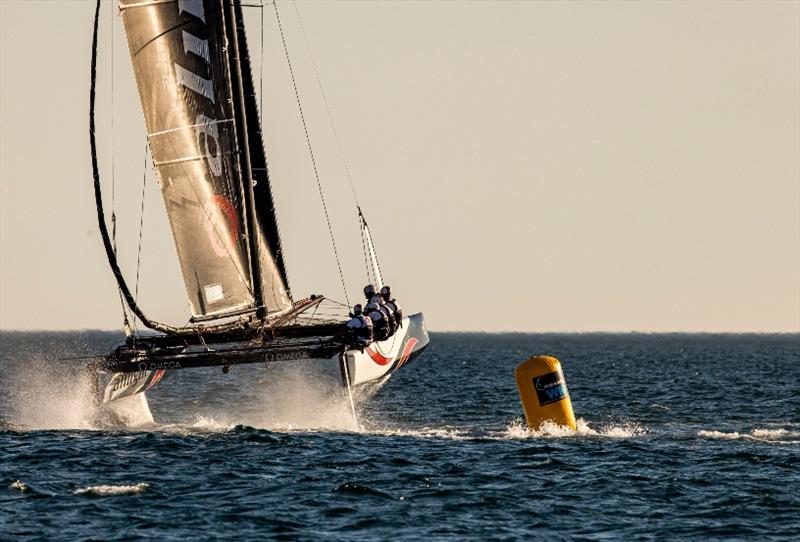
(372, 364)
(382, 358)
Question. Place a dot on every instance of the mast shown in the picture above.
(246, 171)
(262, 190)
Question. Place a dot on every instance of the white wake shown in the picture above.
(773, 436)
(113, 490)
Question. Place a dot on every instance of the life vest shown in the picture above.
(398, 312)
(380, 324)
(387, 313)
(390, 318)
(361, 328)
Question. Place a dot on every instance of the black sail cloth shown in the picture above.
(179, 53)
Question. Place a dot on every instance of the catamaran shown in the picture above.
(192, 69)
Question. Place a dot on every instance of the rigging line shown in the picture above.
(98, 195)
(98, 198)
(111, 139)
(327, 105)
(311, 151)
(339, 147)
(347, 306)
(113, 154)
(367, 266)
(368, 233)
(261, 71)
(125, 319)
(141, 224)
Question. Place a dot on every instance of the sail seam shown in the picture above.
(146, 3)
(188, 159)
(221, 121)
(154, 38)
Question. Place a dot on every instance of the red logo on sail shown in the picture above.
(220, 219)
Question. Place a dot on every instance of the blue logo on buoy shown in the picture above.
(550, 388)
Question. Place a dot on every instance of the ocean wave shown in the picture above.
(518, 429)
(208, 423)
(20, 486)
(445, 433)
(774, 436)
(769, 433)
(359, 489)
(113, 490)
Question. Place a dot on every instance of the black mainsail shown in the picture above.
(190, 83)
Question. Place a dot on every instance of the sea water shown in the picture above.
(680, 437)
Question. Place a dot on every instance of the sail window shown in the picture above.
(214, 293)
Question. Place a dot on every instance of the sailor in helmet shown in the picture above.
(369, 292)
(380, 325)
(388, 313)
(360, 327)
(373, 296)
(391, 304)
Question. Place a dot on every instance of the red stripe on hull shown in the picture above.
(377, 357)
(156, 378)
(407, 351)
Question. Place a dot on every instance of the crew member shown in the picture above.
(373, 296)
(391, 303)
(388, 313)
(380, 325)
(360, 327)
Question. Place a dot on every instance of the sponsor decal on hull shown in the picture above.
(376, 356)
(157, 376)
(382, 360)
(407, 349)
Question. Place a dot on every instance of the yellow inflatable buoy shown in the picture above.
(543, 392)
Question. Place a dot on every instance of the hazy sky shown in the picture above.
(524, 166)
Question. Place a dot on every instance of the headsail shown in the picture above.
(181, 58)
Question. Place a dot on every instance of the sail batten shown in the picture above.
(199, 124)
(181, 54)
